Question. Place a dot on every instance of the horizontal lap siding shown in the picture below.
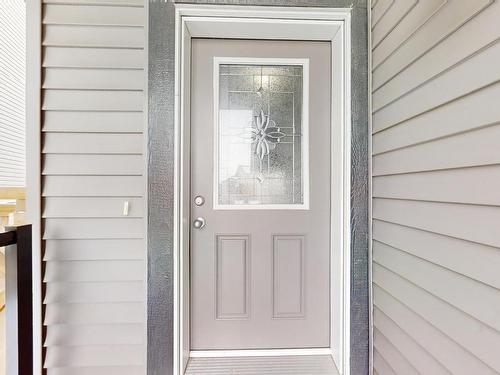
(94, 292)
(436, 167)
(12, 93)
(92, 164)
(94, 313)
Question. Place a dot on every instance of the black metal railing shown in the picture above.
(19, 298)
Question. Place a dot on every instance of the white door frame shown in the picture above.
(277, 23)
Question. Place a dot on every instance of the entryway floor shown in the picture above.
(283, 365)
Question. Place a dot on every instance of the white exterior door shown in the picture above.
(260, 194)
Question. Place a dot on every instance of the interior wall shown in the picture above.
(436, 84)
(161, 178)
(93, 164)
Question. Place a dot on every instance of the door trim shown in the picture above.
(283, 23)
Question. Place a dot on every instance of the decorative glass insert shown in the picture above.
(261, 138)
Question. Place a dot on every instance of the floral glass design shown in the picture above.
(265, 134)
(259, 135)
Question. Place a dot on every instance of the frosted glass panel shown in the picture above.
(259, 135)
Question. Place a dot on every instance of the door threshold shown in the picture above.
(258, 353)
(263, 365)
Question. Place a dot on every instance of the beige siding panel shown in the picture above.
(93, 228)
(92, 186)
(9, 174)
(94, 355)
(474, 260)
(443, 23)
(469, 149)
(95, 292)
(391, 18)
(479, 185)
(93, 164)
(102, 15)
(9, 131)
(74, 207)
(78, 100)
(93, 79)
(12, 93)
(445, 350)
(12, 182)
(467, 113)
(112, 334)
(93, 94)
(12, 156)
(384, 45)
(419, 358)
(468, 222)
(474, 336)
(455, 49)
(93, 36)
(93, 249)
(9, 139)
(381, 8)
(111, 58)
(459, 81)
(398, 362)
(10, 153)
(94, 270)
(476, 299)
(436, 164)
(93, 122)
(381, 367)
(92, 143)
(93, 313)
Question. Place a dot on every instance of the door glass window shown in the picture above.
(261, 135)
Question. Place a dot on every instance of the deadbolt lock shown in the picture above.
(199, 200)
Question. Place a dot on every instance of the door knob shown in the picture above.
(199, 223)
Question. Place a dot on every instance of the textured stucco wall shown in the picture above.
(161, 176)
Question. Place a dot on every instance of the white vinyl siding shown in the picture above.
(93, 121)
(436, 201)
(12, 93)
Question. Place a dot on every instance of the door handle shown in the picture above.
(199, 223)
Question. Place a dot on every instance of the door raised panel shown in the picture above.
(232, 262)
(288, 276)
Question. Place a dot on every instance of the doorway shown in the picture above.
(248, 282)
